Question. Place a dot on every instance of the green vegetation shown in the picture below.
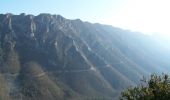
(156, 88)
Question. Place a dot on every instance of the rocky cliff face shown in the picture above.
(48, 57)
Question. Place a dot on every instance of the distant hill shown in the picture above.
(49, 57)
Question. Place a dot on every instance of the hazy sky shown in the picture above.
(148, 16)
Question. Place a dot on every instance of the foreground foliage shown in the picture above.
(156, 88)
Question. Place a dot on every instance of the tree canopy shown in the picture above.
(156, 88)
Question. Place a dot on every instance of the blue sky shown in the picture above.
(148, 16)
(84, 9)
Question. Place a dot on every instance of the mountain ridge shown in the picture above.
(49, 56)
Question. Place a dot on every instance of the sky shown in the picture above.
(147, 16)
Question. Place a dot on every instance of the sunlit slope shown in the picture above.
(49, 57)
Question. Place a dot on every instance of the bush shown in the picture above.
(156, 88)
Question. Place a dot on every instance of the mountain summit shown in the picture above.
(49, 57)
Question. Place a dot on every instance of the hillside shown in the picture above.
(50, 57)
